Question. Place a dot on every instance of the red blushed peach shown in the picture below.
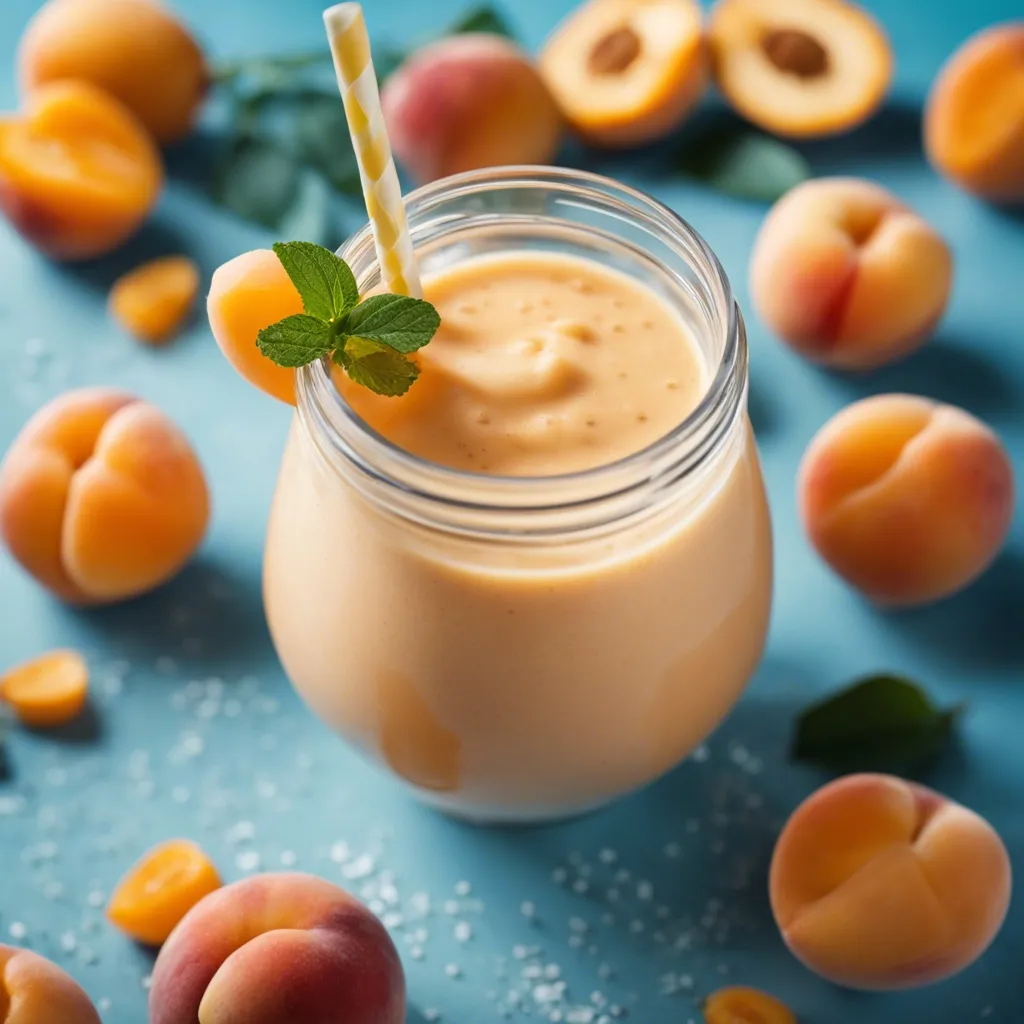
(278, 949)
(35, 991)
(907, 499)
(847, 275)
(877, 883)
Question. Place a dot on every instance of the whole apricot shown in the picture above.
(135, 50)
(878, 883)
(974, 118)
(78, 172)
(35, 991)
(467, 102)
(101, 497)
(278, 949)
(907, 499)
(848, 275)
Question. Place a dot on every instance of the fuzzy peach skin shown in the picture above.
(35, 991)
(133, 49)
(847, 275)
(278, 949)
(101, 496)
(877, 883)
(974, 118)
(467, 102)
(907, 499)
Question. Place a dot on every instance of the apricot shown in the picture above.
(848, 275)
(78, 172)
(154, 300)
(800, 68)
(135, 50)
(35, 991)
(468, 102)
(101, 496)
(159, 890)
(905, 498)
(277, 949)
(47, 691)
(878, 883)
(741, 1005)
(974, 118)
(626, 72)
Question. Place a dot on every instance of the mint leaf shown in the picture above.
(321, 139)
(377, 367)
(481, 19)
(325, 282)
(881, 723)
(398, 321)
(256, 180)
(296, 340)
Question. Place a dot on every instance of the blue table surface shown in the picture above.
(194, 730)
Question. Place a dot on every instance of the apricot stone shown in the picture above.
(78, 172)
(101, 497)
(974, 119)
(135, 50)
(468, 102)
(626, 72)
(848, 275)
(905, 498)
(276, 949)
(878, 883)
(35, 991)
(800, 68)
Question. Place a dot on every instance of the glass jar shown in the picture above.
(528, 648)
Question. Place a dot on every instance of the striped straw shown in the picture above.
(350, 46)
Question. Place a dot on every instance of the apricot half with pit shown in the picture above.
(626, 72)
(800, 68)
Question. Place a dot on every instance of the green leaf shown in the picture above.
(882, 723)
(377, 367)
(296, 340)
(311, 216)
(321, 139)
(325, 282)
(482, 19)
(746, 164)
(398, 321)
(257, 180)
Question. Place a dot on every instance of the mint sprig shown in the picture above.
(371, 340)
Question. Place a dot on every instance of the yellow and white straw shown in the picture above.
(350, 47)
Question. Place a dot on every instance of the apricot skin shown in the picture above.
(101, 497)
(847, 275)
(877, 883)
(907, 499)
(35, 991)
(468, 102)
(133, 49)
(974, 118)
(275, 949)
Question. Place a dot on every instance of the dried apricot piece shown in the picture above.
(739, 1004)
(47, 691)
(153, 300)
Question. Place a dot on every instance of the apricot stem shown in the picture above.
(795, 52)
(615, 52)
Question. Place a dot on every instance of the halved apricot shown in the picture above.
(153, 300)
(47, 691)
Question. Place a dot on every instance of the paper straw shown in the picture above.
(350, 47)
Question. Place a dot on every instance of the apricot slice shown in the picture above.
(741, 1005)
(626, 72)
(47, 691)
(78, 172)
(974, 118)
(800, 68)
(153, 300)
(159, 890)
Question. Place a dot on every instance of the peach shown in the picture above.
(848, 275)
(878, 883)
(974, 118)
(800, 68)
(276, 949)
(47, 691)
(154, 300)
(467, 102)
(78, 172)
(626, 72)
(35, 991)
(101, 496)
(905, 498)
(135, 50)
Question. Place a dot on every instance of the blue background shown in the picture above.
(194, 731)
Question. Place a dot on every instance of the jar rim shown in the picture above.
(330, 418)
